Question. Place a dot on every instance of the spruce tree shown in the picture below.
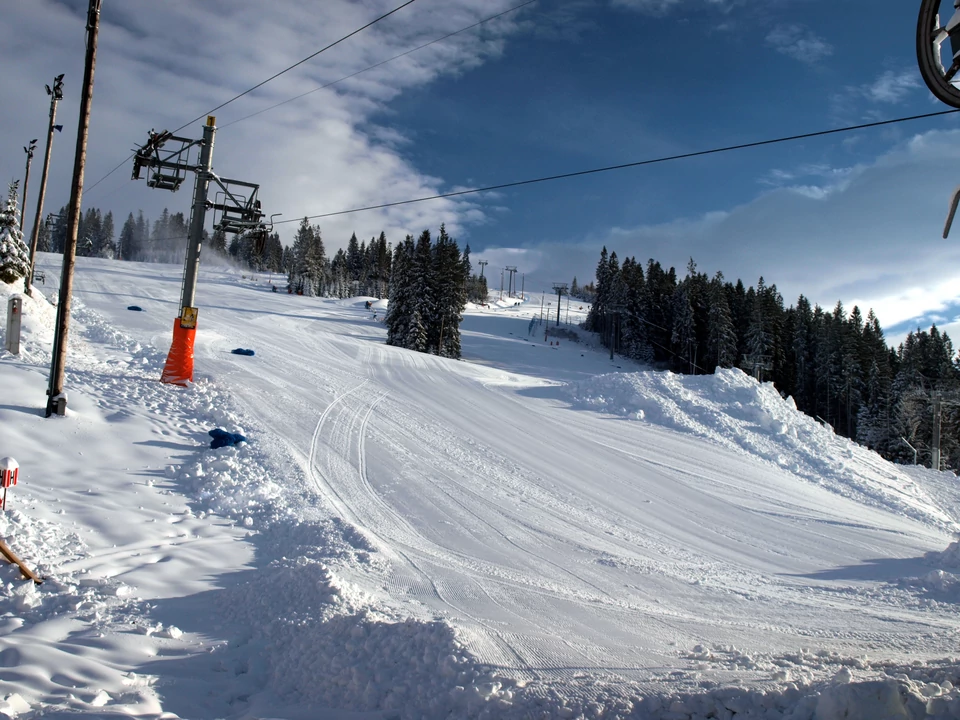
(424, 323)
(683, 337)
(400, 305)
(721, 334)
(595, 317)
(452, 271)
(127, 249)
(14, 254)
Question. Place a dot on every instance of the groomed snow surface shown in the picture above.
(536, 531)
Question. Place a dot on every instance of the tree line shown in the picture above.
(835, 364)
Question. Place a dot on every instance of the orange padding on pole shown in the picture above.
(178, 370)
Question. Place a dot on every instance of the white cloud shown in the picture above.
(160, 64)
(662, 7)
(892, 87)
(650, 7)
(800, 43)
(870, 237)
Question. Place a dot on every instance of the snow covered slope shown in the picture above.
(536, 531)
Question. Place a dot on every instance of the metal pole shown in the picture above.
(559, 295)
(191, 265)
(541, 305)
(56, 94)
(56, 400)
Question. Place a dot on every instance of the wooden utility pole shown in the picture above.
(56, 95)
(26, 179)
(56, 398)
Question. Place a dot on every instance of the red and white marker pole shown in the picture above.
(9, 469)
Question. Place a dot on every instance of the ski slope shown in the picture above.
(537, 528)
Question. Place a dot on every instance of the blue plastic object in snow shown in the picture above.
(222, 438)
(241, 351)
(135, 307)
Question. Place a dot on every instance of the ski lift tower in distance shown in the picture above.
(560, 289)
(940, 76)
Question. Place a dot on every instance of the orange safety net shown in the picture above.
(178, 370)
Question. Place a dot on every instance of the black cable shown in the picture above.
(259, 85)
(296, 64)
(90, 189)
(384, 62)
(654, 161)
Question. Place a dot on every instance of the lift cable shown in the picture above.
(683, 156)
(296, 64)
(384, 62)
(261, 84)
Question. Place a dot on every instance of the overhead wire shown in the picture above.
(639, 163)
(383, 62)
(296, 64)
(264, 82)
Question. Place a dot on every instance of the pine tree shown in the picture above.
(354, 258)
(142, 242)
(759, 339)
(218, 242)
(451, 270)
(43, 238)
(383, 266)
(683, 337)
(634, 338)
(106, 247)
(400, 305)
(128, 239)
(721, 334)
(14, 254)
(595, 317)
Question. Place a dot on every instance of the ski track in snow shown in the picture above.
(408, 536)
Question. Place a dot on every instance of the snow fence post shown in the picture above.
(14, 314)
(9, 470)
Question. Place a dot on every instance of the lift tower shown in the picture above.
(239, 212)
(511, 287)
(560, 289)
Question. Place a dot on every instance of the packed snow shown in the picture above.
(536, 531)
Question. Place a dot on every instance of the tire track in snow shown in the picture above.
(419, 577)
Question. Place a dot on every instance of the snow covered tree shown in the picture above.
(14, 254)
(451, 271)
(400, 299)
(218, 242)
(419, 330)
(721, 334)
(595, 317)
(683, 338)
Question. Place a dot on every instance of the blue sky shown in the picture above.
(555, 87)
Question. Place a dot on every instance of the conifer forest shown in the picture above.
(834, 363)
